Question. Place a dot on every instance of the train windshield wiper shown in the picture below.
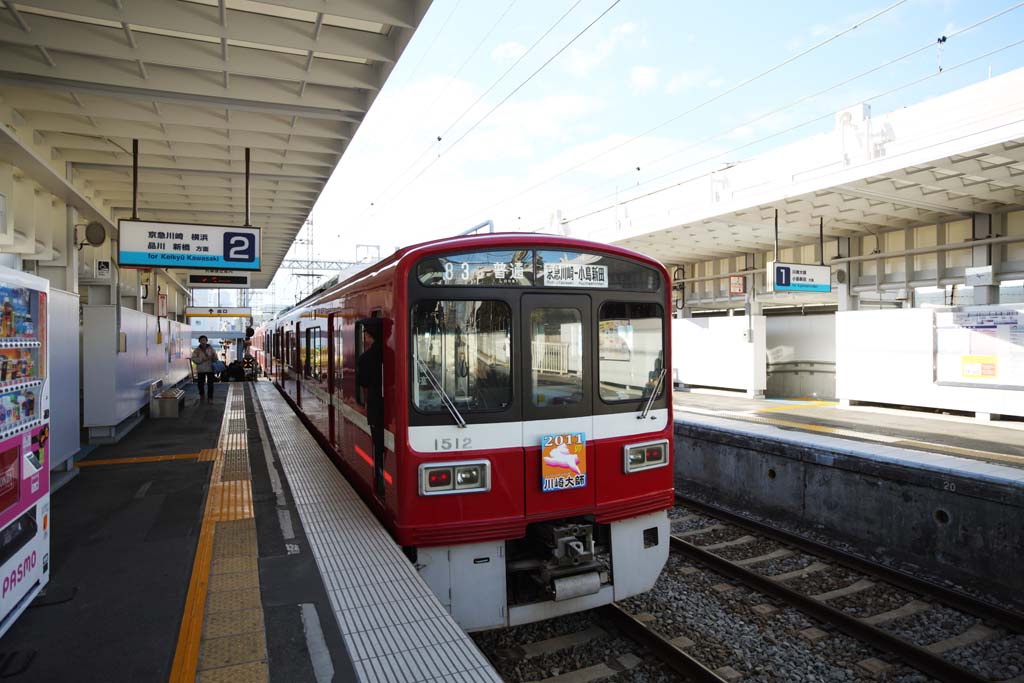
(654, 394)
(445, 398)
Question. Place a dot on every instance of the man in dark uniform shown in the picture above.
(369, 376)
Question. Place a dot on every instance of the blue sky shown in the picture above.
(642, 64)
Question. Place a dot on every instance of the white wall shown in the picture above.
(713, 352)
(888, 356)
(116, 385)
(65, 422)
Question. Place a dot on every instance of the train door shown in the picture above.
(557, 392)
(297, 364)
(331, 427)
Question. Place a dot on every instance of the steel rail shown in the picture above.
(950, 597)
(676, 659)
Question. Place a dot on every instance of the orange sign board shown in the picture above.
(563, 461)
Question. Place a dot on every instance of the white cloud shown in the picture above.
(508, 52)
(643, 78)
(686, 80)
(583, 60)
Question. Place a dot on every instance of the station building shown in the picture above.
(918, 214)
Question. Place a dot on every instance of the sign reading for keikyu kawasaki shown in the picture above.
(148, 244)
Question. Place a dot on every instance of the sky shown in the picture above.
(650, 87)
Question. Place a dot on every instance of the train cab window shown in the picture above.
(463, 349)
(556, 349)
(630, 351)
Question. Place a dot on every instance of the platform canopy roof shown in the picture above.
(938, 161)
(198, 81)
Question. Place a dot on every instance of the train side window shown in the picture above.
(359, 351)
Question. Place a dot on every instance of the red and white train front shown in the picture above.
(528, 445)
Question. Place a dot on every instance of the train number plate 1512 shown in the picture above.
(563, 461)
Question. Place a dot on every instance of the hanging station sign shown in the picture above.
(796, 277)
(149, 244)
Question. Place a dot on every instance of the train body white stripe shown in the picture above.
(444, 438)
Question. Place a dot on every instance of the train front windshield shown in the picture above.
(535, 333)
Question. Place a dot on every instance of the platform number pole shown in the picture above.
(821, 240)
(776, 234)
(135, 179)
(247, 224)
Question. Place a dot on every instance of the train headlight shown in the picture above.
(645, 456)
(441, 478)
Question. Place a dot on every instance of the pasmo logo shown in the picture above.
(18, 573)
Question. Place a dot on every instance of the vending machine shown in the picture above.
(24, 443)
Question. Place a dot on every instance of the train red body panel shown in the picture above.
(527, 419)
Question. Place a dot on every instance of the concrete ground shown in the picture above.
(123, 543)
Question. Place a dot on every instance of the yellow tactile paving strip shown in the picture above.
(222, 637)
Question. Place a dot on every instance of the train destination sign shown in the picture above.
(149, 244)
(575, 275)
(796, 277)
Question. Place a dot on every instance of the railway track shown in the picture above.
(606, 643)
(824, 584)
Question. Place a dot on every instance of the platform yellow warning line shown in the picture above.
(222, 637)
(140, 459)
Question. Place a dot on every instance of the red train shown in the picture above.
(526, 458)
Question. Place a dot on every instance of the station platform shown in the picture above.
(1000, 441)
(223, 545)
(937, 496)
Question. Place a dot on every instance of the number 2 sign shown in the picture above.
(239, 247)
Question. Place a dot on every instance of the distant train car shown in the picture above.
(526, 458)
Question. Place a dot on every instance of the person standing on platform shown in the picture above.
(369, 375)
(204, 356)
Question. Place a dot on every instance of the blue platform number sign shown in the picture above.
(783, 276)
(239, 247)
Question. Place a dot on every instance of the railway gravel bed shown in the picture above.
(875, 600)
(973, 641)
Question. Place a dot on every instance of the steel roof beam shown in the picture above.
(86, 150)
(133, 118)
(109, 43)
(182, 138)
(201, 171)
(109, 188)
(187, 17)
(282, 215)
(171, 84)
(183, 164)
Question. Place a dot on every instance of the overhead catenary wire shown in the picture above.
(803, 124)
(698, 106)
(846, 81)
(438, 96)
(511, 94)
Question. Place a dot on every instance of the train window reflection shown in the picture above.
(466, 347)
(556, 349)
(630, 350)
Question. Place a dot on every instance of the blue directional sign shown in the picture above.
(796, 277)
(149, 244)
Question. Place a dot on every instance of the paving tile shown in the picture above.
(232, 650)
